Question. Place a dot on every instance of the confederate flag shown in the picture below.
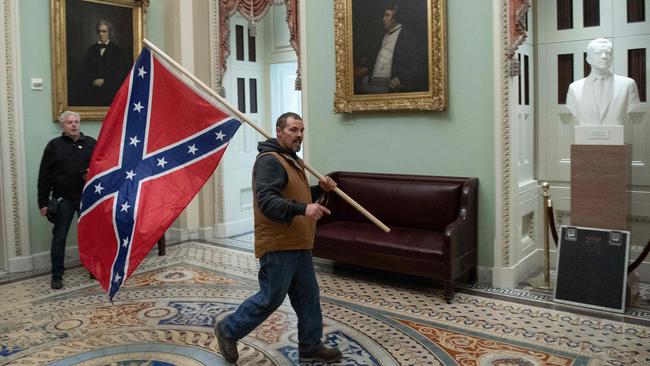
(159, 143)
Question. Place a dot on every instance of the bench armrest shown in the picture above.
(461, 234)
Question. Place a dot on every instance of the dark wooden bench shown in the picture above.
(433, 223)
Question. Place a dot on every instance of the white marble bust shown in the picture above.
(602, 98)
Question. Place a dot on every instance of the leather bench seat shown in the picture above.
(405, 242)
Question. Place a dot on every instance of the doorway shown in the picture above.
(259, 80)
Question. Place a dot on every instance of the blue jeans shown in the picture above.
(62, 222)
(281, 273)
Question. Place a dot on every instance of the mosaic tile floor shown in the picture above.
(165, 312)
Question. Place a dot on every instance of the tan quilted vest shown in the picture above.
(274, 236)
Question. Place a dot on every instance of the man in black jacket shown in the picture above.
(62, 174)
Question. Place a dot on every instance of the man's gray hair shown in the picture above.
(107, 24)
(65, 115)
(591, 47)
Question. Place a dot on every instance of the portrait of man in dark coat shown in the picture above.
(395, 60)
(99, 50)
(104, 68)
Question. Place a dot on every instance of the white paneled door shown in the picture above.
(245, 83)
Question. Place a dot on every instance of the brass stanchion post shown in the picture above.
(543, 280)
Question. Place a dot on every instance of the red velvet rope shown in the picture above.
(637, 262)
(640, 258)
(551, 223)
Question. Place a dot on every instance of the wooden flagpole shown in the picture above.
(245, 119)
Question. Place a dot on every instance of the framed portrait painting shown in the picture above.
(390, 55)
(94, 45)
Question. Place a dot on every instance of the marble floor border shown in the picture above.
(539, 299)
(394, 319)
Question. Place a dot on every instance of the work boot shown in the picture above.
(321, 354)
(56, 284)
(227, 347)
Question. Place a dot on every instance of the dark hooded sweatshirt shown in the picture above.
(270, 178)
(282, 193)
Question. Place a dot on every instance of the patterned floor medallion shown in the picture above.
(468, 350)
(165, 313)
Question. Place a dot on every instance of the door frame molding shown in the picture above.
(15, 226)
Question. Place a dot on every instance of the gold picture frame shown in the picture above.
(359, 30)
(85, 77)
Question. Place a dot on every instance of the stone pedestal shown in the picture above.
(600, 177)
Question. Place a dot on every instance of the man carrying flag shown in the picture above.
(285, 220)
(159, 143)
(147, 167)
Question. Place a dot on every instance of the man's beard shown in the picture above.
(293, 145)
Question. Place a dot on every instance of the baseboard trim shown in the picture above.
(41, 261)
(206, 233)
(20, 264)
(232, 228)
(484, 274)
(177, 234)
(510, 277)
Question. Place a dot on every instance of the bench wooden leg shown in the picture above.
(449, 291)
(472, 275)
(162, 246)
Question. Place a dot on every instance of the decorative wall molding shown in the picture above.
(215, 50)
(219, 204)
(215, 60)
(11, 133)
(530, 230)
(302, 61)
(504, 160)
(514, 245)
